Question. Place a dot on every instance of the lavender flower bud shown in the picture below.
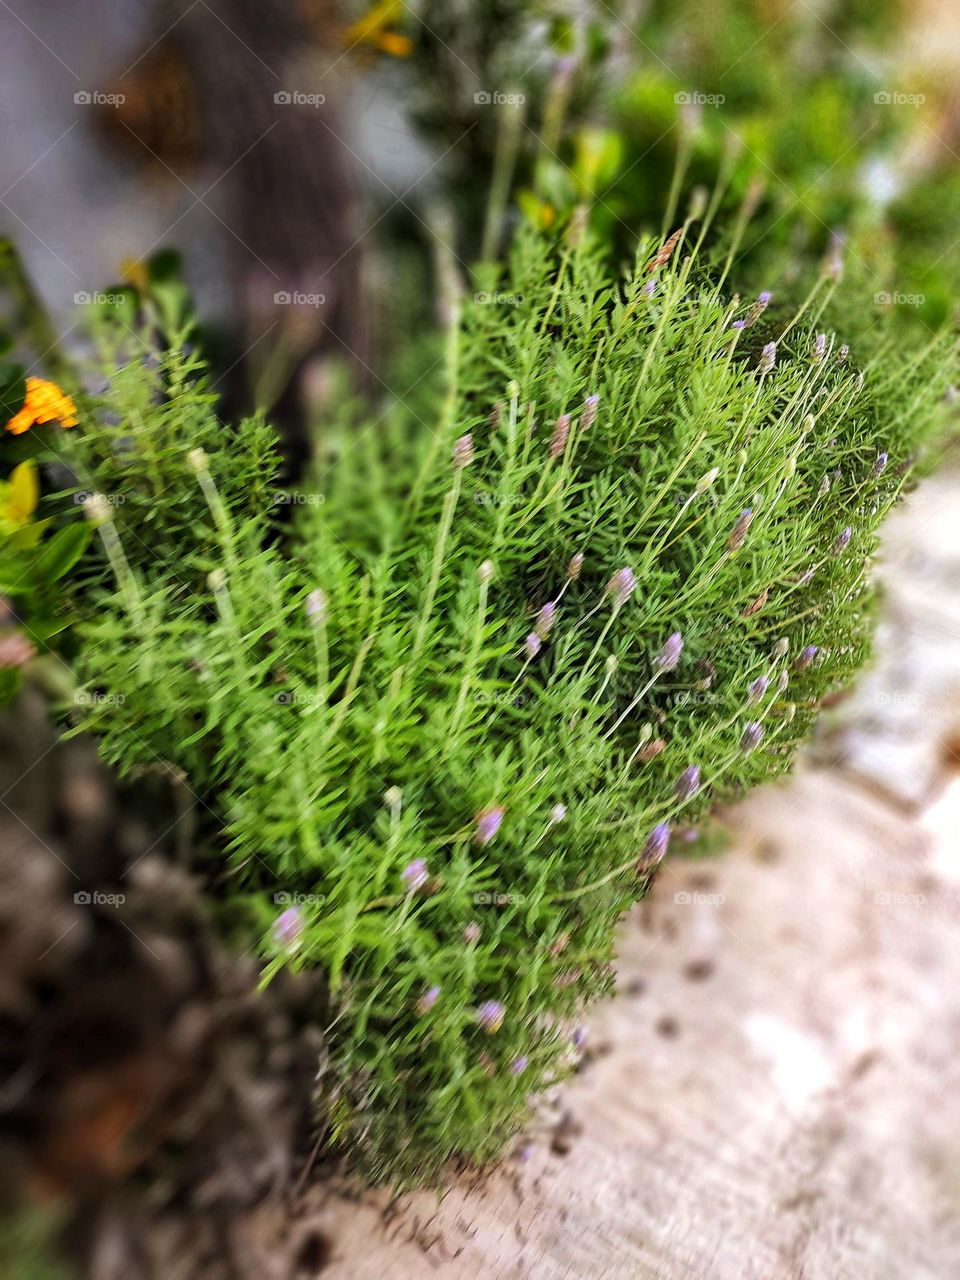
(463, 452)
(579, 1037)
(621, 586)
(589, 414)
(842, 354)
(655, 847)
(881, 463)
(574, 567)
(738, 533)
(316, 607)
(807, 656)
(707, 479)
(783, 679)
(819, 346)
(738, 324)
(545, 619)
(781, 648)
(518, 1066)
(752, 735)
(669, 655)
(415, 874)
(842, 541)
(471, 933)
(560, 433)
(757, 688)
(532, 645)
(688, 784)
(763, 299)
(768, 357)
(649, 289)
(288, 928)
(490, 1016)
(488, 824)
(427, 1000)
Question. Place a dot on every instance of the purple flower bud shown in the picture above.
(820, 346)
(463, 451)
(579, 1037)
(649, 289)
(415, 875)
(560, 433)
(781, 648)
(574, 567)
(757, 688)
(471, 933)
(316, 607)
(843, 353)
(288, 928)
(739, 324)
(738, 533)
(532, 645)
(518, 1066)
(669, 655)
(688, 784)
(752, 735)
(881, 463)
(490, 1016)
(842, 541)
(764, 297)
(807, 656)
(655, 847)
(768, 357)
(427, 1000)
(589, 414)
(545, 619)
(621, 586)
(488, 824)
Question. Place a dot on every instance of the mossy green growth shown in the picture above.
(600, 574)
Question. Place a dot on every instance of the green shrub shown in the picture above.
(515, 638)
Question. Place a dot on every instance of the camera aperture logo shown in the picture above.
(694, 98)
(95, 898)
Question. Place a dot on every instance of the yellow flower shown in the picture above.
(45, 402)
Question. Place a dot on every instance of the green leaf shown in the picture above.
(62, 552)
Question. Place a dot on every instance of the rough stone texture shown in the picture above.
(773, 1094)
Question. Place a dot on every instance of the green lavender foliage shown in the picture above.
(355, 749)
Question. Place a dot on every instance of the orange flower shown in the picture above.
(45, 402)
